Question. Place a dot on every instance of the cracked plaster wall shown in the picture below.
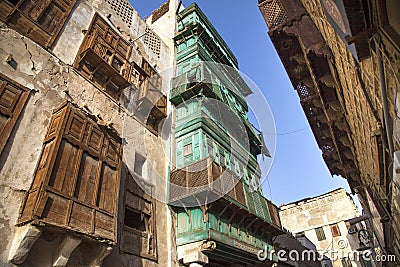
(51, 78)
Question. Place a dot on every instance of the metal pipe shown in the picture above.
(140, 36)
(386, 114)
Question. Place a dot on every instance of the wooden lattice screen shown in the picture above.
(274, 12)
(76, 180)
(103, 58)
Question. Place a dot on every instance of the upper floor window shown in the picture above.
(335, 230)
(103, 58)
(76, 180)
(152, 103)
(139, 231)
(40, 20)
(210, 148)
(140, 165)
(13, 97)
(222, 158)
(187, 149)
(320, 233)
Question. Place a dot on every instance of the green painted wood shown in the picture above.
(198, 41)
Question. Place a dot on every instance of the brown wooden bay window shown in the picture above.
(139, 231)
(103, 58)
(13, 97)
(76, 179)
(152, 103)
(40, 20)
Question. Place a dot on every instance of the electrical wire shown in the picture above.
(291, 132)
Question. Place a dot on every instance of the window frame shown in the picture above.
(319, 231)
(134, 185)
(102, 46)
(16, 106)
(336, 227)
(186, 152)
(30, 25)
(84, 184)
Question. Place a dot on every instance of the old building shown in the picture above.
(216, 161)
(342, 58)
(322, 220)
(71, 71)
(84, 89)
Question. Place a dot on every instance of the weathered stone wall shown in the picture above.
(359, 115)
(51, 78)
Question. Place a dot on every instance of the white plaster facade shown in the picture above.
(324, 211)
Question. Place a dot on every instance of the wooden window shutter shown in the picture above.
(13, 97)
(151, 103)
(335, 230)
(40, 20)
(76, 180)
(139, 235)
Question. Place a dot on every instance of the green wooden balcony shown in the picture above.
(240, 222)
(206, 179)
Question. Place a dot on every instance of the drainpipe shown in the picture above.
(386, 114)
(388, 126)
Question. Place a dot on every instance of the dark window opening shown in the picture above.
(136, 220)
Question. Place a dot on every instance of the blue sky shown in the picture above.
(298, 170)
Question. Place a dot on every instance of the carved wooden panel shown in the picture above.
(12, 100)
(40, 20)
(76, 180)
(103, 58)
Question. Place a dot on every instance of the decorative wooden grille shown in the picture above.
(103, 58)
(152, 41)
(273, 12)
(305, 92)
(40, 20)
(274, 214)
(76, 180)
(123, 9)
